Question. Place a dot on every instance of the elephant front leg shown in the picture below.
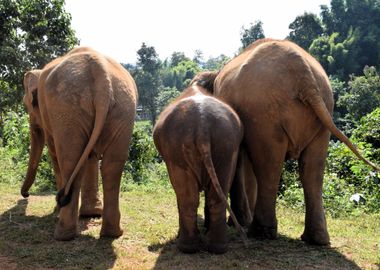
(91, 205)
(312, 162)
(37, 144)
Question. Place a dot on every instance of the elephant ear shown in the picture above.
(206, 80)
(31, 87)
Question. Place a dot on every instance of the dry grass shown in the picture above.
(150, 225)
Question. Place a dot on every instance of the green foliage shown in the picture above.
(349, 41)
(216, 63)
(345, 174)
(144, 165)
(180, 74)
(32, 32)
(148, 79)
(358, 176)
(15, 154)
(252, 33)
(165, 96)
(338, 57)
(304, 29)
(362, 95)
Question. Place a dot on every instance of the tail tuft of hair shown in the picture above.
(62, 199)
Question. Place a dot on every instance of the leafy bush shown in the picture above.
(144, 165)
(15, 154)
(346, 166)
(345, 174)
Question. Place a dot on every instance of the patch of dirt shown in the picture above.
(7, 264)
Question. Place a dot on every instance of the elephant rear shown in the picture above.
(198, 137)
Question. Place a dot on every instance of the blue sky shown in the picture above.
(118, 28)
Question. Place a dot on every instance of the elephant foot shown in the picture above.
(319, 238)
(216, 239)
(189, 245)
(217, 248)
(111, 232)
(91, 212)
(262, 232)
(62, 234)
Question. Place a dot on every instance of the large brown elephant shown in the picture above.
(284, 100)
(83, 106)
(91, 205)
(198, 137)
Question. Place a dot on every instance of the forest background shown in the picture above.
(344, 37)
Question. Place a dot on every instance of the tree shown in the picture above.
(305, 28)
(198, 57)
(216, 63)
(147, 76)
(338, 58)
(363, 94)
(32, 33)
(165, 96)
(251, 34)
(356, 22)
(179, 71)
(177, 57)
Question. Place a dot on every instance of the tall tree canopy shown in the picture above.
(147, 76)
(252, 33)
(32, 32)
(304, 29)
(350, 37)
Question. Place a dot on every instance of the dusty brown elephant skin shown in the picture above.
(83, 106)
(284, 100)
(199, 137)
(91, 205)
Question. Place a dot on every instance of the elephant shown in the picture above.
(91, 205)
(198, 138)
(83, 106)
(284, 100)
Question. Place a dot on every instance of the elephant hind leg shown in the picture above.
(67, 157)
(186, 187)
(267, 160)
(312, 163)
(111, 173)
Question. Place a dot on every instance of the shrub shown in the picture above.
(15, 154)
(144, 165)
(359, 177)
(345, 174)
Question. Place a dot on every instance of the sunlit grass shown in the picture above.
(150, 223)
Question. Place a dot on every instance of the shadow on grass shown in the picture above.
(282, 253)
(28, 241)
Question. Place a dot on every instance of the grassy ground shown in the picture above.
(149, 220)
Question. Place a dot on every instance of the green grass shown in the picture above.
(150, 223)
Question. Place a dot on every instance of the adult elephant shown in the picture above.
(91, 205)
(83, 105)
(284, 100)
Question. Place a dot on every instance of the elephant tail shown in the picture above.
(103, 95)
(205, 152)
(319, 107)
